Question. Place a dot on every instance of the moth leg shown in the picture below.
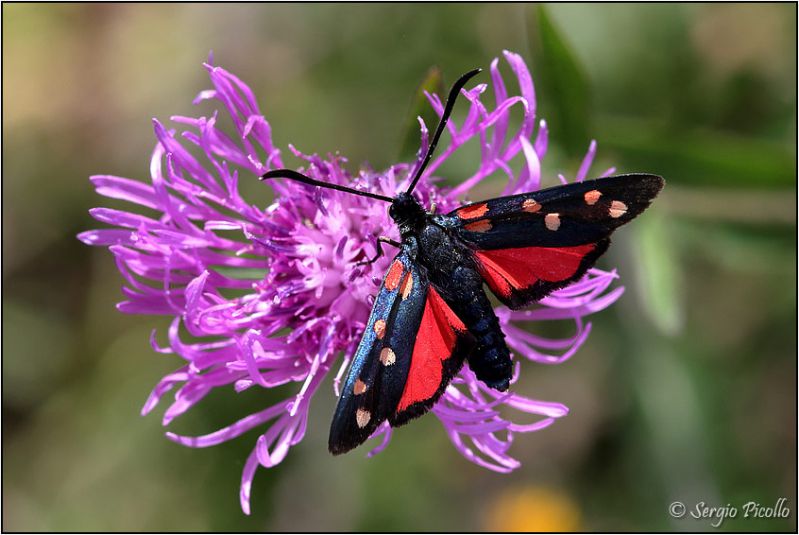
(380, 241)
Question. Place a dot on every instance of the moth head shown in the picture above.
(407, 212)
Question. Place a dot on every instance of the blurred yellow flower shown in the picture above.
(530, 508)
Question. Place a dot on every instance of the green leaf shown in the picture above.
(433, 83)
(659, 274)
(699, 157)
(561, 81)
(742, 248)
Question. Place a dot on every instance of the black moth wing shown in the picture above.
(587, 212)
(380, 366)
(528, 245)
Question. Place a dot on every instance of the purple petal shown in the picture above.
(231, 431)
(270, 296)
(587, 161)
(247, 475)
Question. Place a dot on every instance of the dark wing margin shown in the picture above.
(379, 369)
(528, 245)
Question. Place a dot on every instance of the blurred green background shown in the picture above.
(686, 390)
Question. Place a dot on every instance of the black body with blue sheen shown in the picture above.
(452, 270)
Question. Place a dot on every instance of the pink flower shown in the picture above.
(273, 295)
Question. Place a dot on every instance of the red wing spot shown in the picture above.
(435, 341)
(473, 212)
(530, 205)
(591, 197)
(478, 226)
(380, 329)
(393, 276)
(520, 268)
(359, 387)
(407, 285)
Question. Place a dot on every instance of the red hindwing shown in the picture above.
(434, 346)
(522, 269)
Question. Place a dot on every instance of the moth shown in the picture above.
(432, 313)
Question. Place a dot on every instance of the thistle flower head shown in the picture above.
(267, 296)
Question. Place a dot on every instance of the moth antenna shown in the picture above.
(299, 177)
(453, 95)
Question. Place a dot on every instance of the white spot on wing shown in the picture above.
(362, 417)
(552, 221)
(387, 356)
(617, 209)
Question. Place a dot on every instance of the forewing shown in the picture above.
(379, 369)
(412, 346)
(528, 245)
